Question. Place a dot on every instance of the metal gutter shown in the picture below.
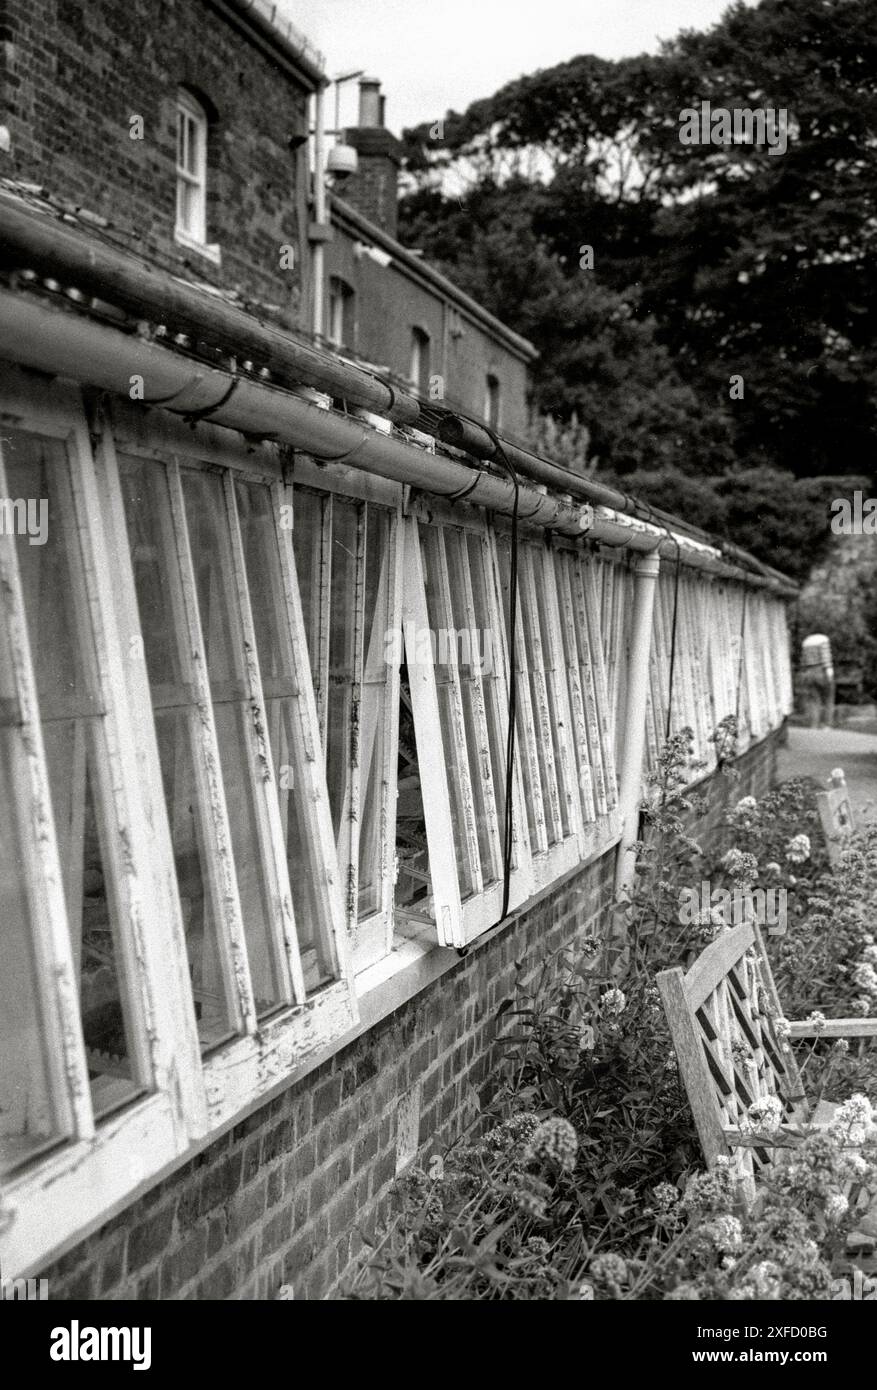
(463, 433)
(51, 246)
(282, 34)
(55, 338)
(168, 309)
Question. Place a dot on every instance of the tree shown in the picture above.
(709, 261)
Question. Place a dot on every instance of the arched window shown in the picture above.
(420, 365)
(492, 402)
(341, 328)
(191, 223)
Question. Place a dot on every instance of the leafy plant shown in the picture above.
(583, 1180)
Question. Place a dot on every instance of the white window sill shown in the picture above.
(209, 250)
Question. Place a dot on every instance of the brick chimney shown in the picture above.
(373, 190)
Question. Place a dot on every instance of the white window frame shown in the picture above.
(582, 615)
(371, 935)
(493, 400)
(553, 849)
(94, 1166)
(246, 1067)
(341, 292)
(459, 919)
(91, 1169)
(421, 344)
(699, 663)
(192, 119)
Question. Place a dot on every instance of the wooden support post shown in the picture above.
(633, 740)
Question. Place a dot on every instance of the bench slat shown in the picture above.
(713, 964)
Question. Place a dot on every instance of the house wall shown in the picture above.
(287, 1195)
(390, 303)
(72, 74)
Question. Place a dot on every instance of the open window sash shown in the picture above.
(246, 696)
(451, 596)
(112, 1098)
(348, 552)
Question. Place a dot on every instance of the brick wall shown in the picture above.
(73, 73)
(389, 305)
(289, 1193)
(373, 189)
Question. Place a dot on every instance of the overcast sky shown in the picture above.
(434, 54)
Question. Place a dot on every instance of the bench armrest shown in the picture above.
(835, 1028)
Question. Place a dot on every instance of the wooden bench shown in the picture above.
(836, 814)
(723, 1014)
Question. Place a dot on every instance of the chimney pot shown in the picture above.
(371, 103)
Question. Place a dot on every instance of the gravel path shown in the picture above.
(814, 752)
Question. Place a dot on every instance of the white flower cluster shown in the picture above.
(853, 1121)
(742, 868)
(798, 849)
(764, 1115)
(613, 1001)
(725, 1232)
(865, 976)
(836, 1206)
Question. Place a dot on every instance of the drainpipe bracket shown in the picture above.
(320, 232)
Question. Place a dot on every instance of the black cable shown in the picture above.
(673, 636)
(508, 826)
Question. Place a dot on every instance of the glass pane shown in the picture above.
(495, 691)
(311, 564)
(373, 708)
(572, 662)
(345, 600)
(64, 661)
(220, 625)
(437, 639)
(193, 136)
(468, 639)
(166, 652)
(27, 1119)
(525, 738)
(255, 509)
(538, 697)
(543, 577)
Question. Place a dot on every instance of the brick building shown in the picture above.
(390, 307)
(257, 906)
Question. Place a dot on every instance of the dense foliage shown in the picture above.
(708, 261)
(583, 1180)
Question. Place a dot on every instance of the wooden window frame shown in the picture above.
(460, 919)
(249, 1065)
(88, 1170)
(581, 616)
(92, 1167)
(341, 305)
(420, 362)
(189, 110)
(371, 935)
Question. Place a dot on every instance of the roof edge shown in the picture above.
(283, 35)
(345, 212)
